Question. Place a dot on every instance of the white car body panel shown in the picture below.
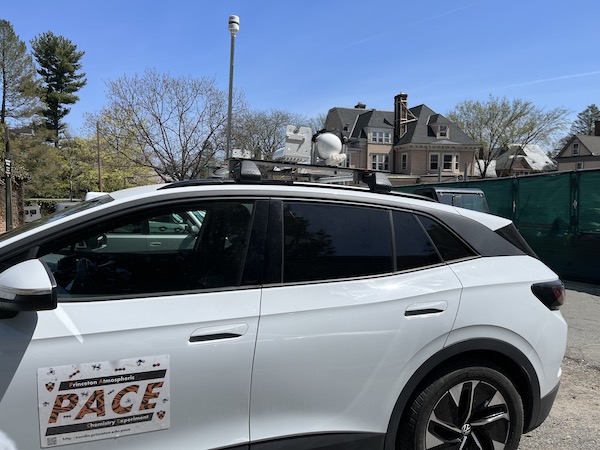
(210, 381)
(329, 356)
(491, 302)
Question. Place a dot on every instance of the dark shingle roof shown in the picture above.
(363, 118)
(421, 132)
(418, 132)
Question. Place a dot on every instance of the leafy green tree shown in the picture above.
(37, 164)
(17, 76)
(59, 66)
(500, 124)
(109, 165)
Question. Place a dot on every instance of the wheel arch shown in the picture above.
(496, 353)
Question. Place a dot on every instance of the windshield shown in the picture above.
(81, 206)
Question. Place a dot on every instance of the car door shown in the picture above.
(147, 350)
(351, 322)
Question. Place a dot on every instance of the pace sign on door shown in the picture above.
(106, 399)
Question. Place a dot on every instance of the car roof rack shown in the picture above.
(264, 172)
(251, 170)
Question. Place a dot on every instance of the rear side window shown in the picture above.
(335, 241)
(449, 246)
(413, 246)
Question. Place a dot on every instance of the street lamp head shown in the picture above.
(234, 25)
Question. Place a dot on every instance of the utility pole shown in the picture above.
(7, 178)
(99, 160)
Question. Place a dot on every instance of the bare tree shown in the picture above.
(175, 126)
(317, 123)
(263, 132)
(501, 124)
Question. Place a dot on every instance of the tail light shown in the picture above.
(551, 294)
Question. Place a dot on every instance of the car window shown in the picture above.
(324, 241)
(413, 246)
(449, 246)
(44, 220)
(162, 250)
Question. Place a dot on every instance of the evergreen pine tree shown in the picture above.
(17, 76)
(59, 66)
(586, 121)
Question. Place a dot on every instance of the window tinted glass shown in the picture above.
(413, 246)
(335, 241)
(199, 246)
(449, 246)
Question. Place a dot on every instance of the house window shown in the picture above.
(380, 161)
(434, 160)
(443, 131)
(575, 149)
(404, 161)
(447, 164)
(450, 162)
(381, 137)
(580, 166)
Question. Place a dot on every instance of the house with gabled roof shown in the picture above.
(413, 144)
(369, 134)
(581, 152)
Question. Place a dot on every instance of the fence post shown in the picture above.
(514, 200)
(574, 198)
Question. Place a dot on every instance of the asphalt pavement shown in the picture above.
(582, 313)
(574, 421)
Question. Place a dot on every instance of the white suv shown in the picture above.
(278, 315)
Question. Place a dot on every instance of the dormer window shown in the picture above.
(381, 137)
(442, 131)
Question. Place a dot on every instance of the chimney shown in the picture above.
(360, 105)
(597, 128)
(400, 113)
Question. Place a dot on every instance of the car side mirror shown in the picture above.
(28, 286)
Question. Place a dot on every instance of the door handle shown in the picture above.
(420, 309)
(218, 332)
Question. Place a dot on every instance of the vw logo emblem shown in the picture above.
(466, 429)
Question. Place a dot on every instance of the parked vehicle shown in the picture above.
(279, 315)
(471, 198)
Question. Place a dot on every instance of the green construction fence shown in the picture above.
(558, 213)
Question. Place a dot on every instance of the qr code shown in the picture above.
(51, 441)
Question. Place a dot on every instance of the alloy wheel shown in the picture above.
(472, 414)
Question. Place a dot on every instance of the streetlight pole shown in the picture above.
(234, 27)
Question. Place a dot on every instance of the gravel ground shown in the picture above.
(574, 421)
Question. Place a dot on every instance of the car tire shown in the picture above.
(475, 407)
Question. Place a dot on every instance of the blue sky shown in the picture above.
(307, 57)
